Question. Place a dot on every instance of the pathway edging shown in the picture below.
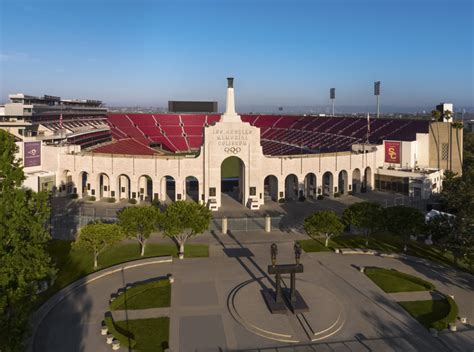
(43, 311)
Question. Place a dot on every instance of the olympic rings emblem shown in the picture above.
(233, 150)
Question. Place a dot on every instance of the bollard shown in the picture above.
(452, 327)
(224, 225)
(170, 278)
(110, 339)
(362, 269)
(268, 223)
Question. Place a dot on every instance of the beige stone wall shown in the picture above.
(445, 147)
(222, 140)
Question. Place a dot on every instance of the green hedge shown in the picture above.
(449, 318)
(433, 313)
(153, 294)
(126, 338)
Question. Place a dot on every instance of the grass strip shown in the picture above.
(392, 281)
(154, 294)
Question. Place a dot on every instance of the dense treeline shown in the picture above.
(24, 261)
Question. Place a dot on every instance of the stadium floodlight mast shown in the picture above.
(377, 94)
(332, 96)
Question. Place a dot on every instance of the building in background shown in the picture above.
(79, 148)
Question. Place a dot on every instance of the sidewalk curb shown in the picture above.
(38, 316)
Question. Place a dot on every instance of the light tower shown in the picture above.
(377, 94)
(332, 96)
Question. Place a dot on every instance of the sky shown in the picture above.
(282, 53)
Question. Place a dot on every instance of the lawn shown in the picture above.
(433, 313)
(391, 244)
(74, 264)
(148, 334)
(392, 281)
(154, 294)
(314, 246)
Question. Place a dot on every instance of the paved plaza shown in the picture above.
(69, 215)
(216, 303)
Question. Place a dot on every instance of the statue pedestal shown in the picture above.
(275, 307)
(298, 304)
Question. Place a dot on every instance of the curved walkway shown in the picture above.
(199, 316)
(40, 317)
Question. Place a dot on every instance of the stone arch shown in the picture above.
(67, 185)
(123, 187)
(233, 178)
(270, 187)
(310, 185)
(328, 184)
(356, 181)
(168, 189)
(367, 185)
(145, 188)
(291, 187)
(191, 188)
(103, 185)
(84, 184)
(343, 182)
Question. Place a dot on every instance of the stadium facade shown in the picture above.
(76, 147)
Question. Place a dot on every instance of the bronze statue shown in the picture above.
(297, 248)
(273, 253)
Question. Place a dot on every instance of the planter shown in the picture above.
(463, 320)
(115, 345)
(110, 339)
(170, 278)
(104, 330)
(181, 255)
(362, 269)
(452, 327)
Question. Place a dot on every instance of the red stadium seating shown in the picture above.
(281, 135)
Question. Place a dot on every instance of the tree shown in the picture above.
(183, 220)
(139, 223)
(436, 115)
(364, 215)
(441, 227)
(96, 237)
(24, 260)
(405, 222)
(323, 223)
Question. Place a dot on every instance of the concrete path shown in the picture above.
(140, 313)
(200, 318)
(416, 296)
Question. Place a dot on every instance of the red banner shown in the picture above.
(392, 152)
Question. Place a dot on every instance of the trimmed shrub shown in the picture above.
(337, 195)
(449, 318)
(320, 197)
(350, 193)
(302, 198)
(91, 198)
(281, 200)
(132, 201)
(74, 196)
(111, 200)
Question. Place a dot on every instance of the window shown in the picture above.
(444, 151)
